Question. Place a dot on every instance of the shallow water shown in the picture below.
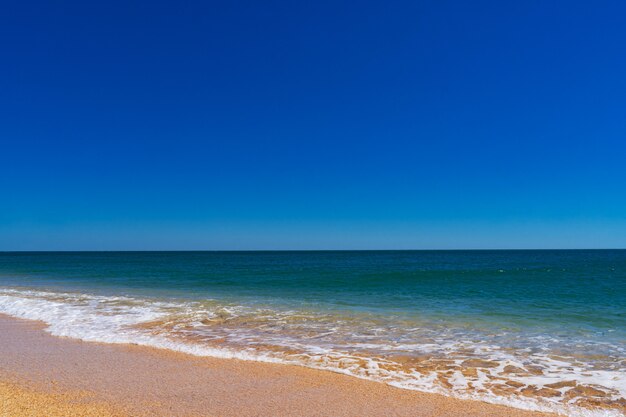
(542, 330)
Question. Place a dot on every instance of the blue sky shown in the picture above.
(329, 125)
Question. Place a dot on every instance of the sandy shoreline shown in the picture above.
(45, 375)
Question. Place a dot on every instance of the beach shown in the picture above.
(274, 333)
(46, 375)
(405, 208)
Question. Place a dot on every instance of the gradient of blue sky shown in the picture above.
(327, 124)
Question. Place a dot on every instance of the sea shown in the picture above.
(534, 329)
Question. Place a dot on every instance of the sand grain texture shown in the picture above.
(17, 400)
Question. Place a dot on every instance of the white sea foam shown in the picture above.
(116, 319)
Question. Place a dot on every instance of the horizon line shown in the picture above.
(307, 250)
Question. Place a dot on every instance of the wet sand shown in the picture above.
(45, 375)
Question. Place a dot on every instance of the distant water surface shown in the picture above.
(541, 330)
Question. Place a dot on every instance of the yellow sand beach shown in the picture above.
(45, 375)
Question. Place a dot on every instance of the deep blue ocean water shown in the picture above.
(395, 316)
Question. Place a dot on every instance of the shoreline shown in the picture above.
(39, 371)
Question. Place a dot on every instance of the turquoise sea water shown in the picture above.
(534, 329)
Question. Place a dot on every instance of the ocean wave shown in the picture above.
(524, 371)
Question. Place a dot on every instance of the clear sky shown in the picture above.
(320, 124)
